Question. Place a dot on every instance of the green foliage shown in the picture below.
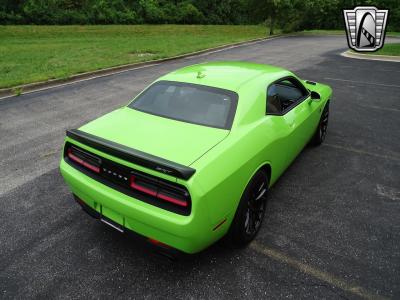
(111, 12)
(17, 91)
(188, 14)
(10, 18)
(289, 15)
(389, 49)
(298, 15)
(151, 11)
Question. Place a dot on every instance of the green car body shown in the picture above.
(213, 164)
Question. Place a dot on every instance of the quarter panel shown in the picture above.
(228, 167)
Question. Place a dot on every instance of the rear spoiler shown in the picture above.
(132, 155)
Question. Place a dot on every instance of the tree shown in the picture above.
(276, 11)
(287, 15)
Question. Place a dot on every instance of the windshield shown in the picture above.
(188, 102)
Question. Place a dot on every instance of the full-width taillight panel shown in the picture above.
(142, 186)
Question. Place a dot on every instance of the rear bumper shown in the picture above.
(189, 234)
(162, 249)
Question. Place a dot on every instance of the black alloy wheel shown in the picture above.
(320, 134)
(250, 212)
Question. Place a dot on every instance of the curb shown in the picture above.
(44, 85)
(351, 54)
(338, 34)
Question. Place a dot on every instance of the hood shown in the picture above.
(173, 140)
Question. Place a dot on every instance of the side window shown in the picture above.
(273, 102)
(283, 95)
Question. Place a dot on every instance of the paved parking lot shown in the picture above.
(333, 221)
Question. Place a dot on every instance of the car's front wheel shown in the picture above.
(251, 211)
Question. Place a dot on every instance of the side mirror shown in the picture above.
(315, 96)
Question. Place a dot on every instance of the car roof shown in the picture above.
(230, 75)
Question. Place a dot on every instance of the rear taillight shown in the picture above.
(83, 159)
(165, 192)
(171, 199)
(141, 186)
(154, 190)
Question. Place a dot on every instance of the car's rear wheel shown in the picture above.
(250, 212)
(320, 133)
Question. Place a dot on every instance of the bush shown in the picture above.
(69, 17)
(39, 12)
(289, 15)
(189, 14)
(10, 18)
(128, 17)
(151, 12)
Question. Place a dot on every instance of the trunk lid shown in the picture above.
(173, 140)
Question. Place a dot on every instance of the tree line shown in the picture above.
(288, 15)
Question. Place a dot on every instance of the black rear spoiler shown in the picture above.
(132, 155)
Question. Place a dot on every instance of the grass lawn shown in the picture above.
(389, 49)
(38, 53)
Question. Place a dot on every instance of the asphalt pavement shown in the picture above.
(332, 228)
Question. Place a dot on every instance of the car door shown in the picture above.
(290, 101)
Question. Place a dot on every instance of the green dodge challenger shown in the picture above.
(191, 158)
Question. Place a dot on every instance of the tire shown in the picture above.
(320, 133)
(250, 212)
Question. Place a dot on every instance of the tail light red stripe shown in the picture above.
(83, 163)
(154, 193)
(172, 200)
(143, 189)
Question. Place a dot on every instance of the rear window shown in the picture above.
(188, 102)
